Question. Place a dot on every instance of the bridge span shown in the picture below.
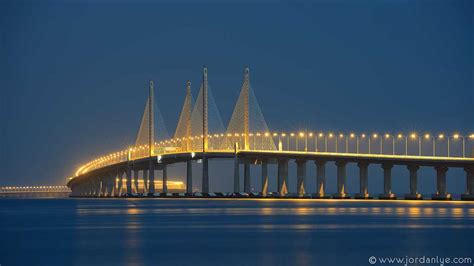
(200, 137)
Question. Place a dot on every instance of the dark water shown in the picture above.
(229, 232)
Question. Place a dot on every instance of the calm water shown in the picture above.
(228, 232)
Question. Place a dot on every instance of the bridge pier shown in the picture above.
(151, 175)
(105, 184)
(441, 193)
(341, 181)
(300, 177)
(99, 188)
(264, 178)
(145, 182)
(363, 181)
(165, 180)
(119, 184)
(110, 183)
(469, 195)
(246, 176)
(113, 180)
(414, 195)
(236, 174)
(320, 179)
(129, 180)
(189, 177)
(205, 174)
(96, 186)
(283, 176)
(387, 182)
(135, 181)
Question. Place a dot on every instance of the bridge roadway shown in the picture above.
(105, 181)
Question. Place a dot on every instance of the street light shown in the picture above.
(375, 136)
(387, 136)
(330, 136)
(288, 142)
(302, 134)
(413, 136)
(325, 142)
(457, 136)
(352, 135)
(400, 136)
(337, 140)
(427, 137)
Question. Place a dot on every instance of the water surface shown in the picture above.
(229, 232)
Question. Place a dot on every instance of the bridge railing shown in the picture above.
(365, 144)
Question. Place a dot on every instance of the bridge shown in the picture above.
(200, 136)
(34, 191)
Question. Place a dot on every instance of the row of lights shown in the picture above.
(266, 134)
(31, 187)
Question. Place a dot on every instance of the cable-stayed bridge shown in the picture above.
(201, 136)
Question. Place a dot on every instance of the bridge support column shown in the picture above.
(387, 182)
(469, 195)
(363, 181)
(189, 177)
(247, 176)
(441, 193)
(113, 192)
(205, 174)
(264, 178)
(110, 185)
(283, 177)
(300, 177)
(118, 192)
(236, 174)
(165, 180)
(129, 180)
(414, 195)
(135, 181)
(320, 179)
(341, 181)
(145, 182)
(101, 187)
(151, 176)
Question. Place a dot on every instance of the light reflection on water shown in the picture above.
(410, 212)
(200, 232)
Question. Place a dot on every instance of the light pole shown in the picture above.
(456, 137)
(340, 136)
(414, 136)
(387, 136)
(301, 135)
(370, 151)
(287, 141)
(428, 137)
(306, 140)
(296, 140)
(330, 136)
(363, 136)
(375, 136)
(352, 135)
(325, 141)
(347, 144)
(400, 136)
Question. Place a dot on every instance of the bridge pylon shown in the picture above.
(152, 126)
(248, 121)
(183, 129)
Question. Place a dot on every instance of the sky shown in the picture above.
(74, 74)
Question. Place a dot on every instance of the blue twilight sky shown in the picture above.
(74, 74)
